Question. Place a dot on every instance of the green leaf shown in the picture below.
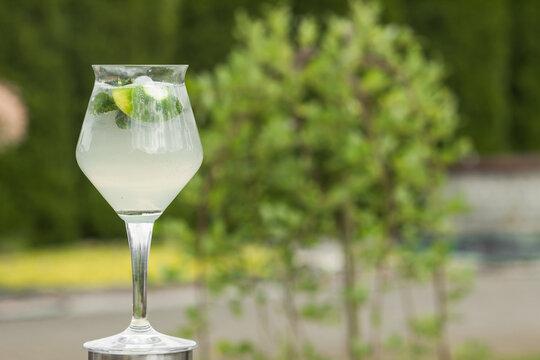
(102, 103)
(357, 294)
(319, 312)
(148, 107)
(473, 350)
(426, 326)
(235, 305)
(178, 106)
(122, 120)
(120, 82)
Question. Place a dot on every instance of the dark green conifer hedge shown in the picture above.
(46, 48)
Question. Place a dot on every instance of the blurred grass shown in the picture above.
(96, 266)
(105, 266)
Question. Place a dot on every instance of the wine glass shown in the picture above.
(139, 146)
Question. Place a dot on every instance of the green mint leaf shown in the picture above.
(122, 120)
(102, 103)
(120, 82)
(171, 107)
(178, 106)
(150, 106)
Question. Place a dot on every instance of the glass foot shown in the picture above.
(138, 341)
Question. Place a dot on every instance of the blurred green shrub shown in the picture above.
(473, 350)
(340, 131)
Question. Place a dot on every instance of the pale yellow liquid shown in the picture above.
(144, 167)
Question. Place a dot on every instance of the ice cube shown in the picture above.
(143, 80)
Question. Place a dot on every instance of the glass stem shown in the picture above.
(140, 237)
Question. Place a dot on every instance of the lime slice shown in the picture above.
(122, 98)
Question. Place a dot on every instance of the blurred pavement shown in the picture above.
(503, 311)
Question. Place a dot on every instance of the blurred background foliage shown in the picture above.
(47, 48)
(337, 132)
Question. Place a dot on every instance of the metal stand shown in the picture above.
(185, 355)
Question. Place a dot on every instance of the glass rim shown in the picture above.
(174, 73)
(145, 65)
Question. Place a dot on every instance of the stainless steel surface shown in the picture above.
(185, 355)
